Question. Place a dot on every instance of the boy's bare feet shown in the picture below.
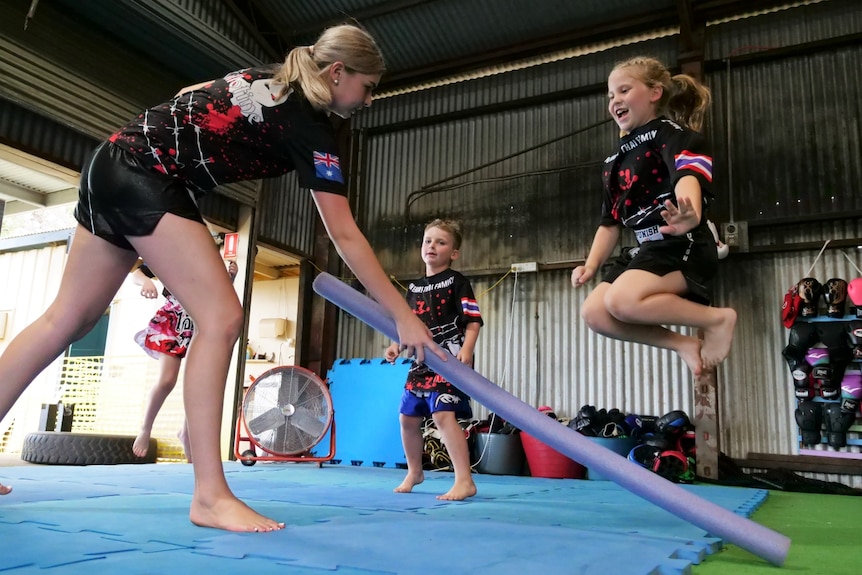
(231, 514)
(141, 444)
(717, 339)
(460, 491)
(690, 352)
(411, 481)
(5, 489)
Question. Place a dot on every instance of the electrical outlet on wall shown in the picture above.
(524, 267)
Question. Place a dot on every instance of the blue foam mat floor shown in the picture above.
(133, 519)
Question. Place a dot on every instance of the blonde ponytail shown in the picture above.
(306, 67)
(688, 102)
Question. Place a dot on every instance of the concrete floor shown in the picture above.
(12, 460)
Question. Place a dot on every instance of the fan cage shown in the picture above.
(287, 392)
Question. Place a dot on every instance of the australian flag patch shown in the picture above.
(328, 167)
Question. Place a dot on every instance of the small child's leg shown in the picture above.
(459, 453)
(169, 371)
(183, 436)
(414, 447)
(599, 318)
(4, 489)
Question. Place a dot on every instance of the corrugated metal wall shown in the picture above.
(514, 207)
(92, 83)
(534, 343)
(288, 215)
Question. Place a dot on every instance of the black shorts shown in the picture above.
(118, 197)
(694, 254)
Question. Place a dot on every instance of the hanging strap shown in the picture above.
(852, 263)
(808, 274)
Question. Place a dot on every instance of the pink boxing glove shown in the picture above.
(854, 292)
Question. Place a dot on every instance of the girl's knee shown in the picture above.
(227, 322)
(619, 305)
(596, 317)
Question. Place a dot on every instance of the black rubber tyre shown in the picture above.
(64, 448)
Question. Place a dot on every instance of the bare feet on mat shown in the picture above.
(411, 481)
(690, 353)
(459, 492)
(5, 489)
(717, 339)
(141, 444)
(231, 514)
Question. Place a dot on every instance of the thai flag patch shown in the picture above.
(470, 307)
(697, 162)
(328, 167)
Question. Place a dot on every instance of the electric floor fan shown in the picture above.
(285, 413)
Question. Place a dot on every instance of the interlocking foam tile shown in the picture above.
(343, 519)
(144, 516)
(44, 547)
(367, 499)
(185, 562)
(465, 547)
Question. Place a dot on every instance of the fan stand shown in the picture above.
(250, 456)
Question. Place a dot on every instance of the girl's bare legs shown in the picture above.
(459, 453)
(95, 270)
(182, 253)
(638, 304)
(169, 371)
(414, 447)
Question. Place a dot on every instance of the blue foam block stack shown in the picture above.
(366, 394)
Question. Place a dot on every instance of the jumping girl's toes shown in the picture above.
(718, 339)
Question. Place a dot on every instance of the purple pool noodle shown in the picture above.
(714, 519)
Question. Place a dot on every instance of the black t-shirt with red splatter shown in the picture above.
(244, 126)
(446, 304)
(642, 174)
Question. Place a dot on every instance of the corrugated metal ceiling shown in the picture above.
(423, 40)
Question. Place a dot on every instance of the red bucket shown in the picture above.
(545, 461)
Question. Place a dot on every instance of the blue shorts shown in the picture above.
(424, 403)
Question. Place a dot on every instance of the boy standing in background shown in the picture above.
(444, 301)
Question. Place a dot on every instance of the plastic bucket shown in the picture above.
(618, 445)
(545, 461)
(498, 454)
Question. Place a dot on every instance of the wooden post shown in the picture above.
(706, 425)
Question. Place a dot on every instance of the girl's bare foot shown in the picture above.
(460, 491)
(690, 352)
(717, 339)
(141, 444)
(5, 489)
(411, 481)
(231, 514)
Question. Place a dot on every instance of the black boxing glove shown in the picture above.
(854, 334)
(835, 296)
(809, 418)
(803, 336)
(837, 421)
(835, 337)
(810, 291)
